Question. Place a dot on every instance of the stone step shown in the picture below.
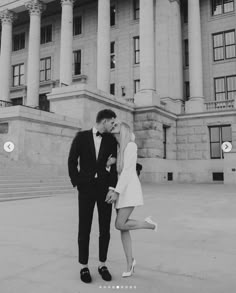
(29, 178)
(7, 171)
(33, 184)
(29, 195)
(21, 172)
(32, 175)
(9, 189)
(18, 181)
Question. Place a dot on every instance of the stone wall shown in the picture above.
(188, 145)
(44, 139)
(193, 141)
(83, 103)
(230, 167)
(41, 139)
(148, 127)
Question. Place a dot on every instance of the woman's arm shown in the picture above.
(130, 159)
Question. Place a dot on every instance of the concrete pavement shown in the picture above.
(193, 251)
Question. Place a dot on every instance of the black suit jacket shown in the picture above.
(83, 148)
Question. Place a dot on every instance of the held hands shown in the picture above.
(111, 196)
(110, 161)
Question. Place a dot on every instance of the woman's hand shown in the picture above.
(111, 196)
(111, 160)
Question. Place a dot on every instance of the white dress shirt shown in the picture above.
(97, 143)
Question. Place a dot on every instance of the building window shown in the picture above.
(170, 176)
(77, 62)
(225, 88)
(136, 9)
(112, 89)
(44, 104)
(136, 85)
(17, 101)
(224, 45)
(186, 53)
(164, 140)
(112, 15)
(231, 87)
(185, 11)
(136, 50)
(77, 25)
(187, 90)
(219, 135)
(222, 6)
(218, 176)
(46, 34)
(45, 69)
(18, 74)
(19, 42)
(113, 60)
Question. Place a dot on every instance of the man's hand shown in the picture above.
(111, 196)
(110, 161)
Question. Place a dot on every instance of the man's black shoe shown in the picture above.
(85, 275)
(103, 271)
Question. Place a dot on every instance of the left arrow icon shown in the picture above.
(9, 146)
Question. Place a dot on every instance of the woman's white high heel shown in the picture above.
(150, 221)
(129, 274)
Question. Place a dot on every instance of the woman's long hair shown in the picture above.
(124, 139)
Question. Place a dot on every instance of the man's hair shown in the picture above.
(105, 114)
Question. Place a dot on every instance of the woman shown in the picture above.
(129, 192)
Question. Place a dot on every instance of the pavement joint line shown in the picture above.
(179, 274)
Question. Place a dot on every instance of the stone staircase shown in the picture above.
(25, 183)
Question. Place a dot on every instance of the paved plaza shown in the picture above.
(193, 251)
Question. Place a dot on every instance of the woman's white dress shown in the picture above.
(128, 185)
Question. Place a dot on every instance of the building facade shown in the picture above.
(167, 66)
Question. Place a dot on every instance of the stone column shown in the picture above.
(175, 52)
(196, 102)
(35, 8)
(7, 18)
(147, 59)
(162, 47)
(103, 46)
(66, 42)
(147, 94)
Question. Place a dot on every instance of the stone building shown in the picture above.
(167, 67)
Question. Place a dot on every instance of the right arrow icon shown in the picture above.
(226, 146)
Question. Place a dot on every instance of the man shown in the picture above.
(95, 184)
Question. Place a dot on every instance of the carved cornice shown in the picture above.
(35, 7)
(67, 2)
(7, 16)
(178, 1)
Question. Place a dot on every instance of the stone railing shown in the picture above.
(4, 104)
(163, 104)
(130, 100)
(81, 78)
(219, 105)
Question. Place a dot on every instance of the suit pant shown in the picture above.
(87, 200)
